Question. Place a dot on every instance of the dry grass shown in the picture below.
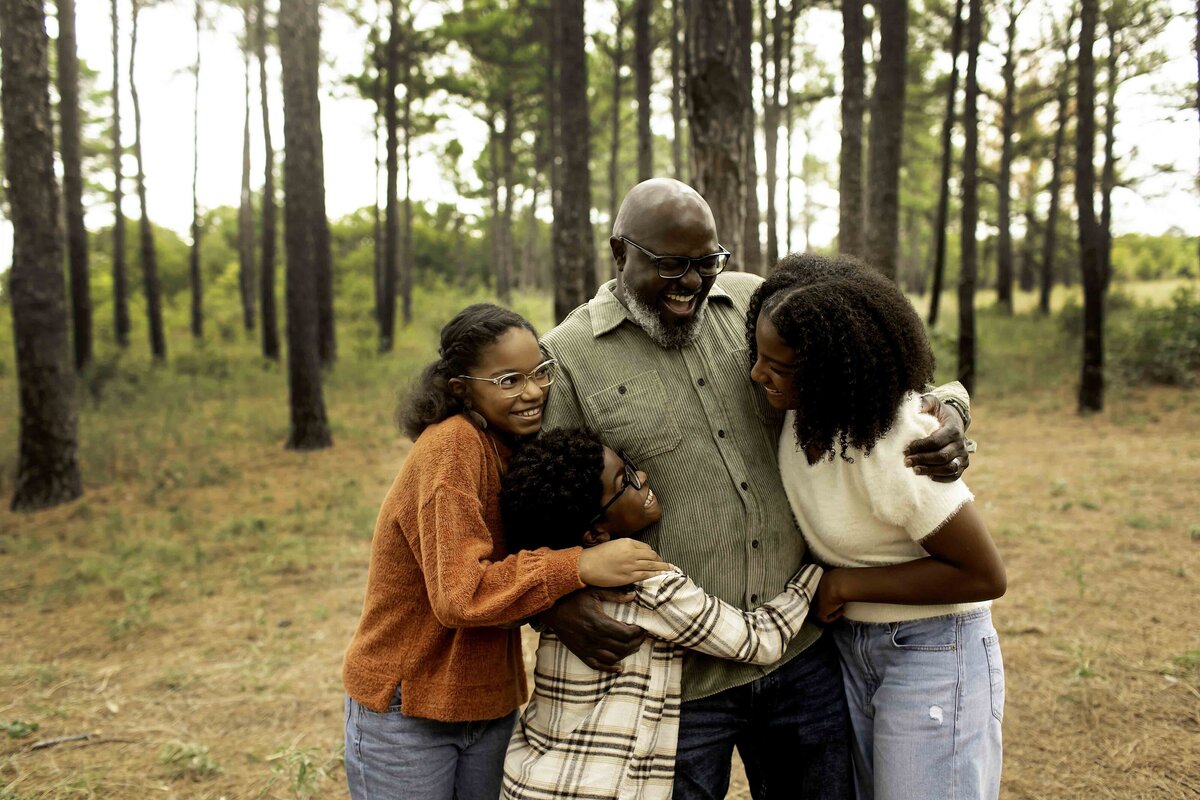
(190, 613)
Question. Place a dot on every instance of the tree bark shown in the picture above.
(752, 261)
(575, 278)
(47, 467)
(1108, 174)
(299, 38)
(121, 321)
(507, 140)
(266, 272)
(850, 161)
(1091, 384)
(943, 206)
(1056, 164)
(246, 205)
(614, 141)
(970, 203)
(718, 112)
(407, 267)
(72, 159)
(149, 257)
(1004, 263)
(886, 138)
(677, 90)
(391, 230)
(643, 48)
(771, 129)
(788, 121)
(197, 309)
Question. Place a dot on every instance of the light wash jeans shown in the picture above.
(926, 701)
(390, 755)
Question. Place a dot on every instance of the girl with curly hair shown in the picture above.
(432, 679)
(910, 566)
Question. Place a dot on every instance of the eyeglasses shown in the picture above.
(631, 479)
(672, 267)
(513, 384)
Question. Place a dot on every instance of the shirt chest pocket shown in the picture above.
(636, 416)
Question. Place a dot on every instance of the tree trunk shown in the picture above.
(266, 272)
(1056, 164)
(391, 230)
(718, 112)
(886, 137)
(752, 261)
(529, 259)
(1108, 175)
(850, 161)
(943, 207)
(554, 140)
(677, 90)
(575, 278)
(970, 204)
(299, 42)
(614, 149)
(149, 258)
(194, 253)
(771, 129)
(1091, 384)
(379, 62)
(47, 468)
(246, 206)
(407, 267)
(121, 322)
(643, 48)
(507, 139)
(1027, 277)
(789, 121)
(72, 158)
(1004, 264)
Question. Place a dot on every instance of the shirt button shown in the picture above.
(745, 486)
(700, 382)
(721, 434)
(754, 544)
(753, 598)
(620, 390)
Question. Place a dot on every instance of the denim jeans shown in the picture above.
(926, 702)
(390, 755)
(789, 727)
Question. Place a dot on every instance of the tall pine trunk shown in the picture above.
(1091, 384)
(72, 159)
(1004, 263)
(886, 138)
(851, 240)
(246, 204)
(771, 111)
(643, 47)
(677, 90)
(147, 253)
(407, 267)
(391, 226)
(194, 253)
(47, 467)
(943, 206)
(614, 141)
(507, 139)
(970, 203)
(266, 271)
(299, 48)
(121, 321)
(718, 112)
(575, 277)
(1057, 158)
(752, 260)
(1108, 175)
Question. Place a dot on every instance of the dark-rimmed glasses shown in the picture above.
(672, 267)
(513, 383)
(631, 479)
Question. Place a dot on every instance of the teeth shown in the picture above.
(649, 498)
(532, 412)
(680, 298)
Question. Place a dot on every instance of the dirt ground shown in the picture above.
(194, 629)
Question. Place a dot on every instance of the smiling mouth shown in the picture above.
(769, 390)
(529, 413)
(650, 498)
(680, 303)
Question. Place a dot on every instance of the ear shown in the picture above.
(618, 251)
(458, 388)
(596, 535)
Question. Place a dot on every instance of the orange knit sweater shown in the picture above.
(440, 581)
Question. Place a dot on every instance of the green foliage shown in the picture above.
(1141, 257)
(188, 760)
(18, 729)
(1153, 344)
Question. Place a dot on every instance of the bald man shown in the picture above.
(656, 363)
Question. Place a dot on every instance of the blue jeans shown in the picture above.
(390, 755)
(789, 727)
(926, 701)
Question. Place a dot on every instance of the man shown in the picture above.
(656, 364)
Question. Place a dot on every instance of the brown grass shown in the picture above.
(195, 627)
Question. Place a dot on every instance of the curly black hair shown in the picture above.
(552, 489)
(463, 340)
(860, 346)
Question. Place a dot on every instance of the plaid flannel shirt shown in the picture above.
(589, 735)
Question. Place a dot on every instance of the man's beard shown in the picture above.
(668, 336)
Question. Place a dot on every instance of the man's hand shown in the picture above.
(828, 605)
(942, 455)
(599, 640)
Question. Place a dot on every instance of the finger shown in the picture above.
(614, 595)
(933, 459)
(652, 565)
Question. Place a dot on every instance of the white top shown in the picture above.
(873, 512)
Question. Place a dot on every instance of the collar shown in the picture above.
(607, 312)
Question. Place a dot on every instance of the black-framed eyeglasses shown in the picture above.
(672, 267)
(631, 479)
(513, 383)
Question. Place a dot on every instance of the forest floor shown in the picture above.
(189, 613)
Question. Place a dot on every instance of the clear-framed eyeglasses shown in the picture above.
(513, 384)
(672, 267)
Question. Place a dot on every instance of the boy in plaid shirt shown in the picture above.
(588, 734)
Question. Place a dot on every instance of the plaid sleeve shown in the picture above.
(674, 608)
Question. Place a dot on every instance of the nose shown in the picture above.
(757, 372)
(532, 391)
(691, 280)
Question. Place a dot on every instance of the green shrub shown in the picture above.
(1159, 344)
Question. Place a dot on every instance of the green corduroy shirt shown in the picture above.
(704, 432)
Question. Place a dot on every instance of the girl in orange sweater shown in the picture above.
(432, 679)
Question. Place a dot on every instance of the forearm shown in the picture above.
(925, 581)
(503, 592)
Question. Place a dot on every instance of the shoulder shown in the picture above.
(447, 445)
(739, 286)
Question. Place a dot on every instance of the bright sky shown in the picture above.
(1149, 133)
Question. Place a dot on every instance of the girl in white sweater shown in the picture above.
(910, 567)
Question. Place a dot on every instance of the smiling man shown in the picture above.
(656, 363)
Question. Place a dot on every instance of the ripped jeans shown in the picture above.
(926, 702)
